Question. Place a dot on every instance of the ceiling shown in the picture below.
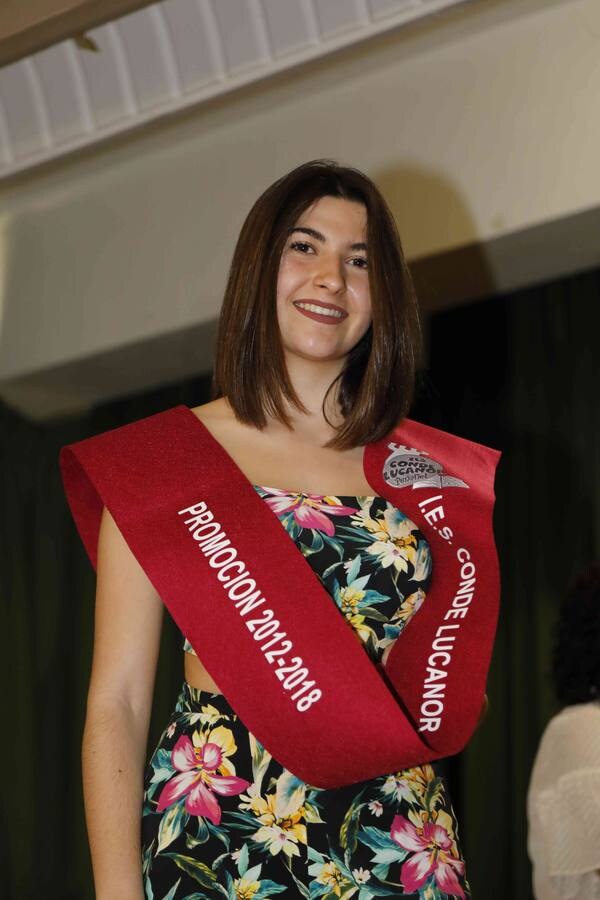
(164, 57)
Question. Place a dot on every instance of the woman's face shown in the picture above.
(324, 265)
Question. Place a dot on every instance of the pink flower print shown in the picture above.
(434, 852)
(310, 510)
(205, 770)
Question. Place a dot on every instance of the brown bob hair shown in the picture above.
(376, 385)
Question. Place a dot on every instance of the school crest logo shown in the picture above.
(406, 466)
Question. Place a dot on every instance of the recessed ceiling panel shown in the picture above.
(168, 56)
(64, 91)
(336, 17)
(380, 9)
(24, 132)
(151, 56)
(106, 74)
(194, 31)
(243, 34)
(292, 25)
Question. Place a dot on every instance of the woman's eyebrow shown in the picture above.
(312, 232)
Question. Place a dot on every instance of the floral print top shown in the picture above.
(371, 558)
(223, 818)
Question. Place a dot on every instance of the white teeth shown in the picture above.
(321, 309)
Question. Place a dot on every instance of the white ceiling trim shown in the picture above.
(169, 56)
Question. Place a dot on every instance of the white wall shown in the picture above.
(478, 127)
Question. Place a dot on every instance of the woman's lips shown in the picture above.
(319, 317)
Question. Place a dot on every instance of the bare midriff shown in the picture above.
(196, 675)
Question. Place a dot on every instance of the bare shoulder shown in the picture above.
(213, 411)
(219, 417)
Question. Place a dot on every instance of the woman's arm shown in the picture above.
(128, 620)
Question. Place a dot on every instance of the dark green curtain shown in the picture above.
(516, 372)
(47, 588)
(521, 373)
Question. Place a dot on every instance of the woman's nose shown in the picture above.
(329, 273)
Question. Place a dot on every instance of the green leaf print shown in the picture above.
(433, 793)
(349, 827)
(195, 869)
(314, 855)
(335, 545)
(218, 862)
(253, 874)
(146, 869)
(289, 795)
(268, 888)
(366, 893)
(246, 820)
(219, 833)
(378, 890)
(301, 887)
(162, 767)
(202, 836)
(354, 568)
(327, 572)
(291, 526)
(317, 542)
(381, 841)
(242, 863)
(355, 534)
(311, 813)
(260, 761)
(371, 613)
(170, 894)
(172, 823)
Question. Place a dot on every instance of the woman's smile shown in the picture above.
(328, 313)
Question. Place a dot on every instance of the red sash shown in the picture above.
(260, 620)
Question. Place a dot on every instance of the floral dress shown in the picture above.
(222, 818)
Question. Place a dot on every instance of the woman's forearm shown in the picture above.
(113, 752)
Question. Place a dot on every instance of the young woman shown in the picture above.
(315, 361)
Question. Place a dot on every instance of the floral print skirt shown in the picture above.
(222, 818)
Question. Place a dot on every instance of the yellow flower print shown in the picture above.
(278, 834)
(208, 715)
(332, 877)
(350, 599)
(420, 817)
(409, 606)
(358, 624)
(394, 542)
(245, 889)
(224, 740)
(410, 784)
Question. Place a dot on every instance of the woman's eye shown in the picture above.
(300, 245)
(297, 244)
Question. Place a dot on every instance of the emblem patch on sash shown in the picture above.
(406, 466)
